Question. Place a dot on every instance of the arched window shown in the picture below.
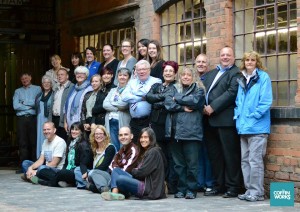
(270, 28)
(183, 31)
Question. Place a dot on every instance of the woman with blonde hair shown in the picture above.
(184, 129)
(252, 115)
(104, 152)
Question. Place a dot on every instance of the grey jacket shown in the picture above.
(118, 106)
(64, 97)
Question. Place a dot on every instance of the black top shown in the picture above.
(157, 70)
(113, 65)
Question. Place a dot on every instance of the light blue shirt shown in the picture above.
(134, 93)
(24, 100)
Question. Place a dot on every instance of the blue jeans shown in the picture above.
(205, 178)
(124, 181)
(27, 163)
(114, 133)
(80, 183)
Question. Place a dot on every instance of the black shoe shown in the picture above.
(201, 189)
(212, 192)
(230, 194)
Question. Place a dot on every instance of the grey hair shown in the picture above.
(143, 62)
(124, 71)
(46, 77)
(82, 70)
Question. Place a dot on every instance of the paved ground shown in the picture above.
(16, 195)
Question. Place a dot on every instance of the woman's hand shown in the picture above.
(85, 175)
(87, 127)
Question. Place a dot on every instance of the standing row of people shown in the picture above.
(193, 117)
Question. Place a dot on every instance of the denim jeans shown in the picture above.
(253, 149)
(205, 177)
(99, 178)
(80, 182)
(27, 163)
(186, 157)
(114, 132)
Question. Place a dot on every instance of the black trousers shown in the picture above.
(26, 135)
(136, 125)
(223, 146)
(60, 131)
(51, 178)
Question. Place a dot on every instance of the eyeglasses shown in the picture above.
(126, 46)
(99, 133)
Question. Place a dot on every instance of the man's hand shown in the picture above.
(30, 173)
(187, 109)
(208, 110)
(85, 175)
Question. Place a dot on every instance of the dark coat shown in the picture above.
(152, 172)
(222, 96)
(156, 96)
(185, 125)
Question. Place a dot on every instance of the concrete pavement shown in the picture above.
(17, 195)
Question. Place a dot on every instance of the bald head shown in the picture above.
(125, 135)
(226, 57)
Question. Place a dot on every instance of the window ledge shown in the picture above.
(285, 112)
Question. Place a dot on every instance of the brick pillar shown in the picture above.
(219, 27)
(297, 97)
(149, 22)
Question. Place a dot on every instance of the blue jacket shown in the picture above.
(253, 102)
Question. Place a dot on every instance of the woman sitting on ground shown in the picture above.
(145, 181)
(104, 153)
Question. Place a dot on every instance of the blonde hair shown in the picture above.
(252, 54)
(195, 76)
(103, 144)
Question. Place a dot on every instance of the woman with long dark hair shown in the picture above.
(142, 49)
(147, 180)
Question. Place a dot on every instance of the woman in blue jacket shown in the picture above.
(252, 115)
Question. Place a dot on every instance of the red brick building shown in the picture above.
(189, 27)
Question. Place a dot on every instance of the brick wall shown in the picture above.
(219, 27)
(148, 26)
(282, 161)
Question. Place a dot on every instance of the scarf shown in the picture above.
(71, 154)
(76, 100)
(47, 104)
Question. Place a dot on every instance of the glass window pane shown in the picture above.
(239, 4)
(272, 67)
(293, 15)
(282, 40)
(259, 2)
(275, 94)
(283, 94)
(97, 43)
(173, 53)
(188, 32)
(92, 40)
(197, 48)
(271, 42)
(172, 14)
(270, 18)
(249, 42)
(180, 52)
(260, 19)
(122, 36)
(173, 32)
(81, 44)
(283, 73)
(86, 41)
(102, 39)
(293, 90)
(197, 30)
(128, 33)
(181, 32)
(188, 9)
(189, 53)
(107, 37)
(115, 37)
(197, 9)
(204, 28)
(239, 19)
(293, 39)
(166, 53)
(239, 44)
(165, 35)
(282, 15)
(249, 3)
(164, 17)
(180, 12)
(293, 66)
(249, 23)
(260, 42)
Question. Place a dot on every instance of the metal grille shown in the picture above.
(270, 28)
(183, 31)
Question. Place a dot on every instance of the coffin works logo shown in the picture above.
(282, 194)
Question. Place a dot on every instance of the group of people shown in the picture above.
(126, 127)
